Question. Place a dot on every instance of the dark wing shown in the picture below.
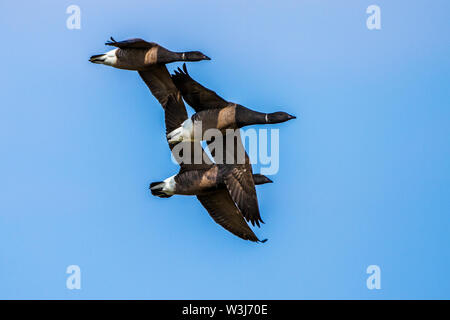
(223, 210)
(239, 180)
(158, 80)
(161, 86)
(196, 95)
(131, 43)
(241, 187)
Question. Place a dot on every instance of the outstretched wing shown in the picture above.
(161, 86)
(131, 43)
(222, 209)
(158, 80)
(239, 180)
(196, 95)
(221, 204)
(241, 187)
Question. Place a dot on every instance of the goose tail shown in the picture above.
(98, 58)
(156, 189)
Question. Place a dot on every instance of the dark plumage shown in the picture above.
(258, 179)
(261, 179)
(138, 54)
(215, 112)
(226, 191)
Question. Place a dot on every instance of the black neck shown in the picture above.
(182, 56)
(246, 117)
(170, 56)
(185, 56)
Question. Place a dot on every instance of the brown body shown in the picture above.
(209, 179)
(215, 112)
(233, 116)
(140, 55)
(143, 58)
(220, 119)
(136, 59)
(198, 182)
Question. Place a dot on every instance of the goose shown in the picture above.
(225, 191)
(204, 101)
(138, 54)
(212, 111)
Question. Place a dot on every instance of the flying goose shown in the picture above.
(217, 187)
(237, 175)
(212, 111)
(138, 54)
(240, 181)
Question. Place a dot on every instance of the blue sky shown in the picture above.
(364, 173)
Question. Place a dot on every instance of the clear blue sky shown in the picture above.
(364, 171)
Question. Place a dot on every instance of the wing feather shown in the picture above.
(241, 188)
(131, 43)
(196, 95)
(224, 212)
(239, 180)
(161, 86)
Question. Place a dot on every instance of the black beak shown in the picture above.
(206, 58)
(292, 117)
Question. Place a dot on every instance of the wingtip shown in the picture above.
(177, 72)
(110, 42)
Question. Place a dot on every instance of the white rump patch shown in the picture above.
(110, 58)
(183, 133)
(169, 185)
